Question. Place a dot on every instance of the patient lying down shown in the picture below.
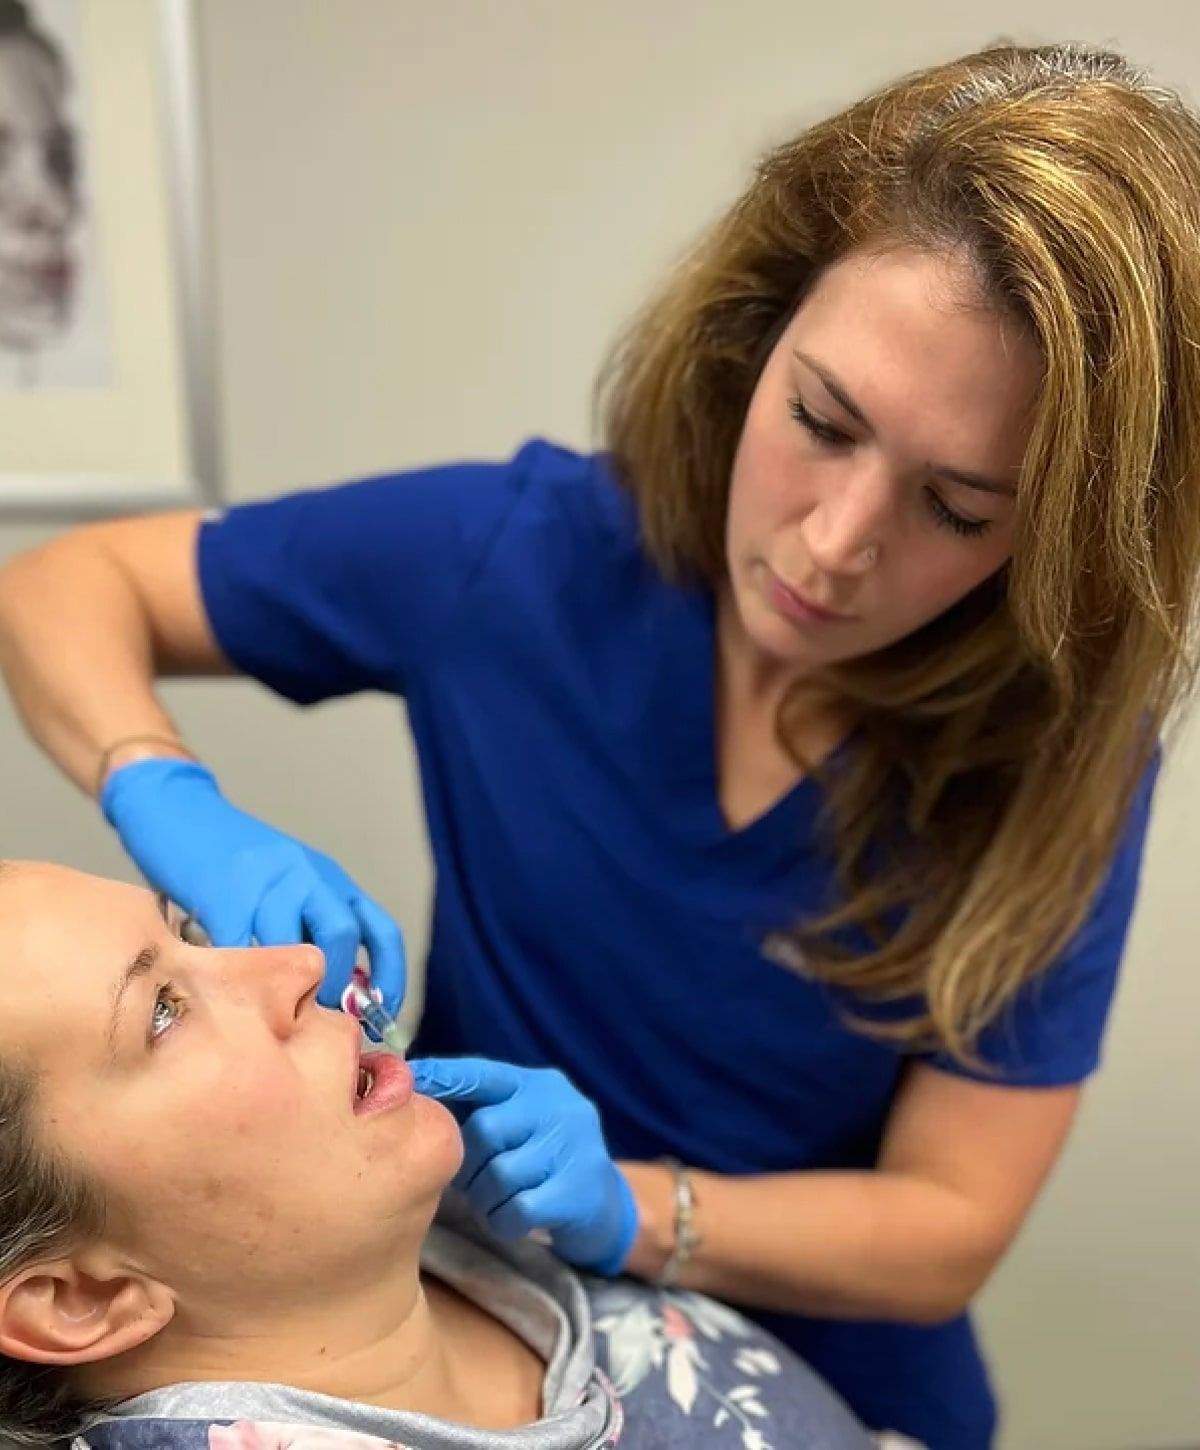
(204, 1245)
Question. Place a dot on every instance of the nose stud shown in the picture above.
(870, 554)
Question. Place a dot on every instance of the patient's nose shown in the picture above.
(288, 978)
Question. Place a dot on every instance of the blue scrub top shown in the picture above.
(592, 909)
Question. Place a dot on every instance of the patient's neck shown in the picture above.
(412, 1343)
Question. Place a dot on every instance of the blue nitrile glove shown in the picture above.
(243, 880)
(535, 1158)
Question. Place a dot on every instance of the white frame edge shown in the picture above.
(179, 44)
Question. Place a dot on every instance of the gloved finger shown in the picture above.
(278, 919)
(332, 925)
(227, 919)
(230, 891)
(506, 1175)
(549, 1204)
(488, 1131)
(468, 1080)
(385, 947)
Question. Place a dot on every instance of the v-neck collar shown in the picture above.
(685, 740)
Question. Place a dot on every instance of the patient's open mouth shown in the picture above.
(384, 1081)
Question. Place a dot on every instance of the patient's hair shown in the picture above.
(46, 1208)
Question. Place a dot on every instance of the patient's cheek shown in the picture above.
(212, 1191)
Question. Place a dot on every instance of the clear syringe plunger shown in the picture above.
(359, 1003)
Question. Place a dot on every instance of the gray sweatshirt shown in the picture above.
(626, 1365)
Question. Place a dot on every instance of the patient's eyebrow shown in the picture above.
(138, 967)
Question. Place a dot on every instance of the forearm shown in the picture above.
(77, 654)
(873, 1245)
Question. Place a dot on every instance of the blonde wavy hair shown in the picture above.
(998, 748)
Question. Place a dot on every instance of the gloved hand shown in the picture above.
(243, 880)
(535, 1158)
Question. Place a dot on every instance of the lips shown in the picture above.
(797, 607)
(387, 1080)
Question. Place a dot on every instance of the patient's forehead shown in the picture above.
(30, 890)
(63, 938)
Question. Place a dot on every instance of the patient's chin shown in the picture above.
(435, 1145)
(440, 1123)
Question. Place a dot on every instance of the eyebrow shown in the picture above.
(955, 475)
(141, 964)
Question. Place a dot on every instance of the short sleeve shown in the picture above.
(1052, 1033)
(348, 588)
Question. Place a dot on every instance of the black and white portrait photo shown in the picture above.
(52, 324)
(104, 316)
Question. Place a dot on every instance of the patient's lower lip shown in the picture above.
(392, 1085)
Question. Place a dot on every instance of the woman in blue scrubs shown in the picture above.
(787, 763)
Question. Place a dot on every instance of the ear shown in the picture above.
(80, 1308)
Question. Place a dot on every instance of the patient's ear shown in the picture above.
(79, 1308)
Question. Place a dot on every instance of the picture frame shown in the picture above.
(106, 382)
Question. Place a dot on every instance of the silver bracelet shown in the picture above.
(687, 1237)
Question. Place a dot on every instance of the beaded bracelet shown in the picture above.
(687, 1237)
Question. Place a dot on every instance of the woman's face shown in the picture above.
(211, 1098)
(873, 482)
(38, 197)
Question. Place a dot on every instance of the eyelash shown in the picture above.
(822, 432)
(943, 515)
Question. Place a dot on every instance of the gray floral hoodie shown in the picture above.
(626, 1365)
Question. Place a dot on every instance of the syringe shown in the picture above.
(359, 1003)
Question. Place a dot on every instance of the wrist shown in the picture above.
(129, 749)
(131, 754)
(653, 1189)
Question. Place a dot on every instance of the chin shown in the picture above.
(775, 639)
(438, 1136)
(410, 1171)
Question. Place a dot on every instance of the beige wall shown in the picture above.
(429, 219)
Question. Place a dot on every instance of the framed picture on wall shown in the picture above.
(105, 367)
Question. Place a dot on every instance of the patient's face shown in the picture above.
(214, 1101)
